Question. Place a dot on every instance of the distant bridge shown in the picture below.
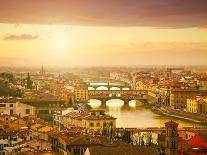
(108, 86)
(154, 130)
(125, 95)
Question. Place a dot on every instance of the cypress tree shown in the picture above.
(29, 82)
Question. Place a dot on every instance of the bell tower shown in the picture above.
(171, 140)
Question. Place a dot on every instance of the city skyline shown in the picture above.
(128, 33)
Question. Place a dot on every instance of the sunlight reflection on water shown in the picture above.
(133, 114)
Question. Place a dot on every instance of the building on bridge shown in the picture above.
(109, 86)
(125, 95)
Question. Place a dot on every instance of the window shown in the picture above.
(5, 145)
(27, 111)
(2, 105)
(172, 144)
(76, 151)
(11, 112)
(97, 124)
(91, 124)
(11, 105)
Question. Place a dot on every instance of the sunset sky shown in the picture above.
(103, 32)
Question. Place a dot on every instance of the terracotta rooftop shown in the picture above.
(122, 150)
(99, 117)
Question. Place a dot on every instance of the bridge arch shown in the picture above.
(102, 88)
(125, 101)
(115, 88)
(126, 88)
(104, 100)
(91, 88)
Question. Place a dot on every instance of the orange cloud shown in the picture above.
(154, 13)
(20, 37)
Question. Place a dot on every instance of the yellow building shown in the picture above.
(197, 105)
(41, 127)
(5, 119)
(141, 85)
(81, 93)
(56, 85)
(18, 123)
(74, 80)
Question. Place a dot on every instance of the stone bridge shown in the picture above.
(109, 86)
(120, 131)
(125, 95)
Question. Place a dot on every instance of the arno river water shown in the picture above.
(134, 114)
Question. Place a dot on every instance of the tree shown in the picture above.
(70, 102)
(29, 82)
(18, 93)
(8, 76)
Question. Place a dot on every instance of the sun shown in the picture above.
(60, 45)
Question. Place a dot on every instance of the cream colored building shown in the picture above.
(96, 121)
(17, 108)
(73, 119)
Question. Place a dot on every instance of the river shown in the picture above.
(134, 114)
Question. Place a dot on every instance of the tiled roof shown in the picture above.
(122, 150)
(199, 141)
(100, 117)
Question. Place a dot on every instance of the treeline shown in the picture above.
(5, 89)
(8, 76)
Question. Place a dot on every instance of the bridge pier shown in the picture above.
(126, 101)
(103, 101)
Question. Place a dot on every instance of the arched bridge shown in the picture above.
(108, 86)
(125, 95)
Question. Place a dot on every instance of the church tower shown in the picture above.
(42, 71)
(171, 140)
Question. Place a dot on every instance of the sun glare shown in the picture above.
(60, 45)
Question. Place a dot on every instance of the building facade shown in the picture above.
(178, 97)
(17, 108)
(81, 93)
(197, 105)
